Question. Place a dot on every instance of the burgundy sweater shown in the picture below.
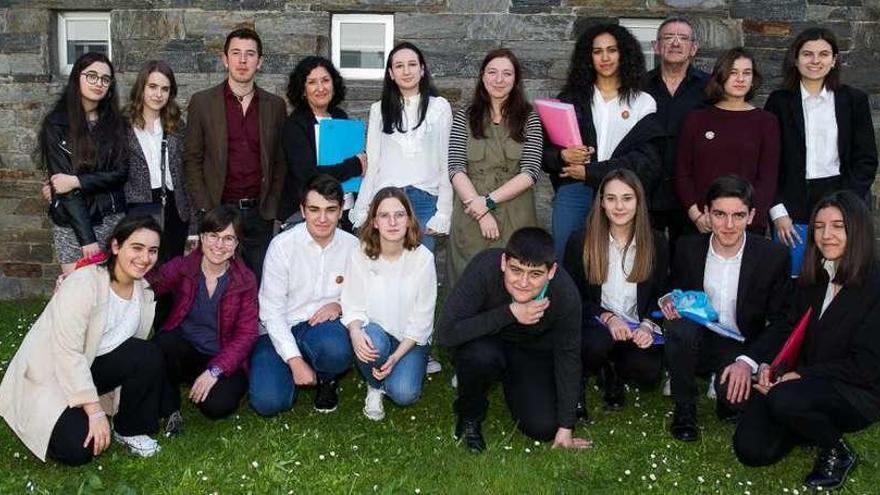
(715, 142)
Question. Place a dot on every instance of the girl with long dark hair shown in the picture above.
(408, 142)
(603, 84)
(494, 160)
(82, 148)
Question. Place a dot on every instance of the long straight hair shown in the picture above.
(170, 113)
(858, 255)
(599, 228)
(791, 76)
(392, 99)
(515, 109)
(106, 142)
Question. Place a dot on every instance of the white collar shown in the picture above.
(737, 257)
(823, 95)
(831, 268)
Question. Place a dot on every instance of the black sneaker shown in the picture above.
(470, 430)
(684, 423)
(173, 425)
(326, 398)
(832, 466)
(614, 395)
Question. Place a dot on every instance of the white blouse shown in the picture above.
(397, 295)
(618, 294)
(415, 158)
(613, 119)
(123, 321)
(151, 145)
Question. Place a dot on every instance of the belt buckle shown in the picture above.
(246, 203)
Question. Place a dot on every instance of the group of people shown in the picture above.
(677, 185)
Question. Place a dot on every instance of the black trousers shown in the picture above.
(137, 367)
(526, 375)
(174, 230)
(256, 234)
(183, 364)
(797, 411)
(630, 363)
(692, 350)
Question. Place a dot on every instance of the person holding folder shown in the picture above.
(603, 84)
(827, 134)
(408, 144)
(834, 388)
(315, 90)
(620, 268)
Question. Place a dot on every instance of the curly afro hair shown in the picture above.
(582, 76)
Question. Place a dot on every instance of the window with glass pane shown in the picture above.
(362, 45)
(645, 31)
(80, 33)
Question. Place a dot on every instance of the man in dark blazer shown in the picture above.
(232, 146)
(746, 278)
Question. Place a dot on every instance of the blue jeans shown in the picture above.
(327, 349)
(424, 206)
(570, 208)
(404, 384)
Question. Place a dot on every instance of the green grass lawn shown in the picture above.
(412, 451)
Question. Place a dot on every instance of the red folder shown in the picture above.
(787, 358)
(560, 122)
(96, 258)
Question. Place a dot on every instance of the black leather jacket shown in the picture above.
(101, 189)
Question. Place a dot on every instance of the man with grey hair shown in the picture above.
(677, 87)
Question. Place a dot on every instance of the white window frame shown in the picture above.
(637, 26)
(387, 20)
(64, 65)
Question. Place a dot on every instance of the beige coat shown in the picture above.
(51, 370)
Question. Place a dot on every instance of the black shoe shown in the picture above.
(173, 425)
(684, 424)
(580, 411)
(832, 467)
(614, 395)
(727, 414)
(326, 398)
(471, 431)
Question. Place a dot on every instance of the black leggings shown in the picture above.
(631, 363)
(183, 365)
(803, 410)
(136, 366)
(527, 376)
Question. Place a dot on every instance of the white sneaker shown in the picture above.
(373, 407)
(454, 381)
(434, 366)
(710, 392)
(141, 445)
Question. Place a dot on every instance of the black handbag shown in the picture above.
(157, 210)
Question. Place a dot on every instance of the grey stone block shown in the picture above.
(478, 6)
(27, 21)
(22, 43)
(533, 6)
(777, 10)
(153, 24)
(431, 26)
(297, 24)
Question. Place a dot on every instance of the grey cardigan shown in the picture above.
(137, 188)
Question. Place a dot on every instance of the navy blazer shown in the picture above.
(764, 293)
(647, 292)
(855, 143)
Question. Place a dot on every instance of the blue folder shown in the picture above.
(797, 252)
(341, 139)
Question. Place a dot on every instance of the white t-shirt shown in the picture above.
(123, 320)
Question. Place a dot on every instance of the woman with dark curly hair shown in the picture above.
(315, 91)
(603, 83)
(729, 137)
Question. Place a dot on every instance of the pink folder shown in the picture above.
(560, 122)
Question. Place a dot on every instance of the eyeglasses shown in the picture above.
(669, 38)
(93, 78)
(386, 216)
(215, 238)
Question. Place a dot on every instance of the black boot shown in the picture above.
(471, 431)
(613, 385)
(832, 466)
(684, 423)
(326, 397)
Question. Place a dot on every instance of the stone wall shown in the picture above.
(454, 34)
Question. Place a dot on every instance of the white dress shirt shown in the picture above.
(613, 119)
(397, 295)
(618, 295)
(151, 145)
(721, 283)
(831, 268)
(123, 321)
(820, 132)
(418, 158)
(299, 277)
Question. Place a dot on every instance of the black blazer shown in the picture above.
(855, 144)
(301, 157)
(764, 293)
(639, 150)
(843, 345)
(647, 292)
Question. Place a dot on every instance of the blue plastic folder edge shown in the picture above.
(339, 140)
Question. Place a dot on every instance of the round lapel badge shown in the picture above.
(710, 135)
(339, 279)
(624, 114)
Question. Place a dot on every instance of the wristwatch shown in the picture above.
(490, 203)
(215, 371)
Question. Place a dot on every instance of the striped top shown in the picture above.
(532, 150)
